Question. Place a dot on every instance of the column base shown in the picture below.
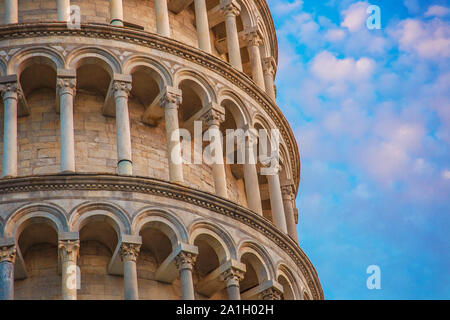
(116, 22)
(125, 167)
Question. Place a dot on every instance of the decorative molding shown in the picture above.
(87, 182)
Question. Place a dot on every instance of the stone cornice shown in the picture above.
(154, 41)
(83, 182)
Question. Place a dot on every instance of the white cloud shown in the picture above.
(446, 174)
(282, 7)
(334, 35)
(326, 66)
(437, 11)
(355, 16)
(429, 40)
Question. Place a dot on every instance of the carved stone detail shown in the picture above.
(68, 250)
(185, 260)
(121, 88)
(170, 98)
(232, 276)
(288, 192)
(129, 251)
(271, 294)
(11, 89)
(8, 253)
(66, 85)
(230, 7)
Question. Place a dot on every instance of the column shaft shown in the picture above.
(251, 179)
(63, 7)
(162, 18)
(276, 202)
(11, 11)
(10, 94)
(7, 260)
(288, 195)
(68, 251)
(233, 292)
(170, 101)
(121, 92)
(231, 10)
(185, 262)
(255, 59)
(201, 18)
(66, 90)
(129, 253)
(116, 12)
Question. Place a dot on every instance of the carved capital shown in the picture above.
(185, 260)
(121, 88)
(214, 116)
(11, 90)
(68, 250)
(8, 253)
(171, 98)
(129, 251)
(253, 38)
(232, 276)
(230, 8)
(269, 66)
(288, 192)
(271, 294)
(66, 85)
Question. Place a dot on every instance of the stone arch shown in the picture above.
(42, 55)
(111, 213)
(47, 213)
(306, 296)
(103, 58)
(217, 238)
(265, 46)
(202, 87)
(164, 220)
(259, 259)
(247, 14)
(286, 171)
(284, 272)
(162, 76)
(237, 107)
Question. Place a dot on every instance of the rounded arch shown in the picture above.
(36, 55)
(91, 55)
(286, 171)
(218, 239)
(236, 106)
(265, 46)
(284, 272)
(159, 72)
(247, 14)
(163, 220)
(200, 85)
(47, 213)
(259, 258)
(111, 213)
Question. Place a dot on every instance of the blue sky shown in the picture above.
(371, 113)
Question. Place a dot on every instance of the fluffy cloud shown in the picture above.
(437, 11)
(355, 16)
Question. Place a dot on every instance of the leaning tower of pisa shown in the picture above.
(97, 100)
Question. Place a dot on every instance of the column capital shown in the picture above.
(185, 260)
(171, 98)
(215, 115)
(272, 293)
(232, 276)
(288, 192)
(66, 85)
(253, 37)
(269, 66)
(11, 90)
(8, 253)
(121, 88)
(129, 251)
(230, 8)
(68, 249)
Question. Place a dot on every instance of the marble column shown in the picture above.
(116, 12)
(231, 10)
(288, 199)
(129, 253)
(185, 263)
(251, 176)
(269, 68)
(121, 91)
(162, 18)
(68, 251)
(271, 294)
(63, 7)
(213, 119)
(276, 201)
(11, 93)
(201, 19)
(66, 92)
(254, 41)
(232, 277)
(11, 11)
(170, 101)
(7, 260)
